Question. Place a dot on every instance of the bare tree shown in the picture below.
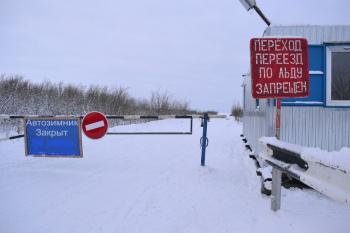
(160, 102)
(341, 82)
(340, 76)
(237, 111)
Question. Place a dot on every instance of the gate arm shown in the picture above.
(12, 137)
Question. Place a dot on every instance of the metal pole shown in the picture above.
(257, 9)
(276, 189)
(278, 118)
(12, 137)
(204, 138)
(276, 174)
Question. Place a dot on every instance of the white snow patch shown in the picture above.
(154, 183)
(336, 159)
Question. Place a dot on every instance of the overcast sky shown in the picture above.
(195, 49)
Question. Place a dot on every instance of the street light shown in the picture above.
(249, 4)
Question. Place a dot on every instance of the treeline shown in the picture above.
(22, 97)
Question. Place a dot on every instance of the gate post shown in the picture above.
(204, 138)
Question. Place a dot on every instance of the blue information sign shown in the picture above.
(54, 137)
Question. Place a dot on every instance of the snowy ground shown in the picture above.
(154, 183)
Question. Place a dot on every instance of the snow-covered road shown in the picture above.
(154, 183)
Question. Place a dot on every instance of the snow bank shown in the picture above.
(336, 159)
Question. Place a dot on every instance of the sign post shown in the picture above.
(279, 69)
(95, 125)
(278, 118)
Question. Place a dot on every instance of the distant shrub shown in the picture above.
(237, 111)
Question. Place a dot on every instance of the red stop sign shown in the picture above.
(95, 125)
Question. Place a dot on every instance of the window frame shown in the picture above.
(329, 49)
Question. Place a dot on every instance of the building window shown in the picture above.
(338, 75)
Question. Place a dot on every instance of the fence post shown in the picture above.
(204, 138)
(276, 189)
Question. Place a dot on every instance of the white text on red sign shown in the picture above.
(279, 67)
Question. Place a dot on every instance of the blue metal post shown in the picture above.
(204, 138)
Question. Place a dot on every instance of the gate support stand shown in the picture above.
(204, 139)
(276, 174)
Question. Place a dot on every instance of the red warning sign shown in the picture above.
(95, 125)
(279, 67)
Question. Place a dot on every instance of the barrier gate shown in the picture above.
(204, 141)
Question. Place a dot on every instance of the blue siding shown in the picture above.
(316, 56)
(317, 93)
(317, 90)
(317, 81)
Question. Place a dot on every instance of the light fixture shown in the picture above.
(248, 4)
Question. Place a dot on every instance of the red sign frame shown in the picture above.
(279, 67)
(95, 125)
